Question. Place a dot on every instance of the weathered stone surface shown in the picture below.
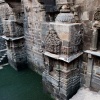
(3, 56)
(43, 48)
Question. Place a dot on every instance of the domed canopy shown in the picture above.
(65, 16)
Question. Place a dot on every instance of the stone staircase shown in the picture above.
(3, 59)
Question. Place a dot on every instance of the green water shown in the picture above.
(24, 85)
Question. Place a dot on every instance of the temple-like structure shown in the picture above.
(59, 39)
(62, 55)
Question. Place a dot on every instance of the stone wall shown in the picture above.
(13, 33)
(38, 16)
(87, 10)
(34, 16)
(2, 41)
(34, 19)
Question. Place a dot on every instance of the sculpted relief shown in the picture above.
(52, 42)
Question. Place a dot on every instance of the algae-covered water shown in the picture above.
(23, 85)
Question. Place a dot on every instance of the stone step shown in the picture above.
(3, 57)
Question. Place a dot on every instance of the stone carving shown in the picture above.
(77, 37)
(52, 42)
(65, 15)
(65, 76)
(97, 15)
(59, 46)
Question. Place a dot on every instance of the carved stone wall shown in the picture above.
(39, 17)
(53, 42)
(35, 18)
(61, 79)
(86, 13)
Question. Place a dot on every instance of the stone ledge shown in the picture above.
(65, 58)
(10, 38)
(95, 53)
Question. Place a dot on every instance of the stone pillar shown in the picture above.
(63, 52)
(94, 40)
(14, 36)
(89, 71)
